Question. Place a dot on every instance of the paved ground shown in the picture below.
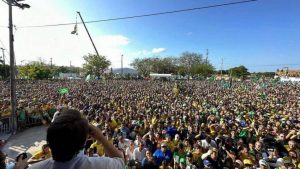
(29, 140)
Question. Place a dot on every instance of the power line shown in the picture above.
(273, 65)
(142, 15)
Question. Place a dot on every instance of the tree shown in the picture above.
(142, 66)
(205, 70)
(266, 74)
(239, 72)
(4, 71)
(188, 59)
(35, 70)
(95, 64)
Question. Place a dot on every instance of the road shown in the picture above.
(29, 140)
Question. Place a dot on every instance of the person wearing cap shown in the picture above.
(212, 156)
(207, 164)
(247, 163)
(263, 164)
(163, 154)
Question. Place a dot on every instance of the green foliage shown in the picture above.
(239, 72)
(202, 69)
(142, 66)
(64, 69)
(148, 65)
(181, 71)
(4, 71)
(35, 70)
(95, 64)
(187, 63)
(266, 74)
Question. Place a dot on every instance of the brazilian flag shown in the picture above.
(63, 90)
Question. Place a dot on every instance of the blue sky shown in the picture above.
(257, 34)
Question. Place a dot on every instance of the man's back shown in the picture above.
(82, 162)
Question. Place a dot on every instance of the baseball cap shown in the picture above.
(247, 162)
(189, 154)
(163, 145)
(263, 162)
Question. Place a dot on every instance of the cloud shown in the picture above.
(57, 42)
(158, 50)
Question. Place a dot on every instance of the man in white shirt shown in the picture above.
(66, 137)
(208, 143)
(139, 153)
(123, 143)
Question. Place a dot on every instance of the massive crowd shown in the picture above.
(184, 124)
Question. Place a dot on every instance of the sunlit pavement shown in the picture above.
(29, 140)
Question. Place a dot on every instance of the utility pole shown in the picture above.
(88, 33)
(13, 122)
(122, 66)
(70, 64)
(206, 59)
(13, 100)
(51, 62)
(222, 68)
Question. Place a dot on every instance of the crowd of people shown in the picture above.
(179, 125)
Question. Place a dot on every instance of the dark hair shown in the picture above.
(2, 160)
(66, 136)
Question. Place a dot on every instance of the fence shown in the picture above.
(29, 121)
(4, 125)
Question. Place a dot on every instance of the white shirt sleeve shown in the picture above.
(107, 163)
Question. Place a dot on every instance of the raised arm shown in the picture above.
(109, 148)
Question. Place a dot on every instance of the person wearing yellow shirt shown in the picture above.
(197, 153)
(99, 147)
(41, 155)
(113, 124)
(169, 143)
(292, 146)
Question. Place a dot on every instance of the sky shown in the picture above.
(262, 35)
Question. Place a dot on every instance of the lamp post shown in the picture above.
(13, 123)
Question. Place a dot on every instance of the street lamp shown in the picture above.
(11, 3)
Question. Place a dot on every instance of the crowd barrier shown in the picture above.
(29, 121)
(4, 125)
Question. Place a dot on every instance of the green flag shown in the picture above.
(263, 96)
(243, 133)
(212, 78)
(63, 90)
